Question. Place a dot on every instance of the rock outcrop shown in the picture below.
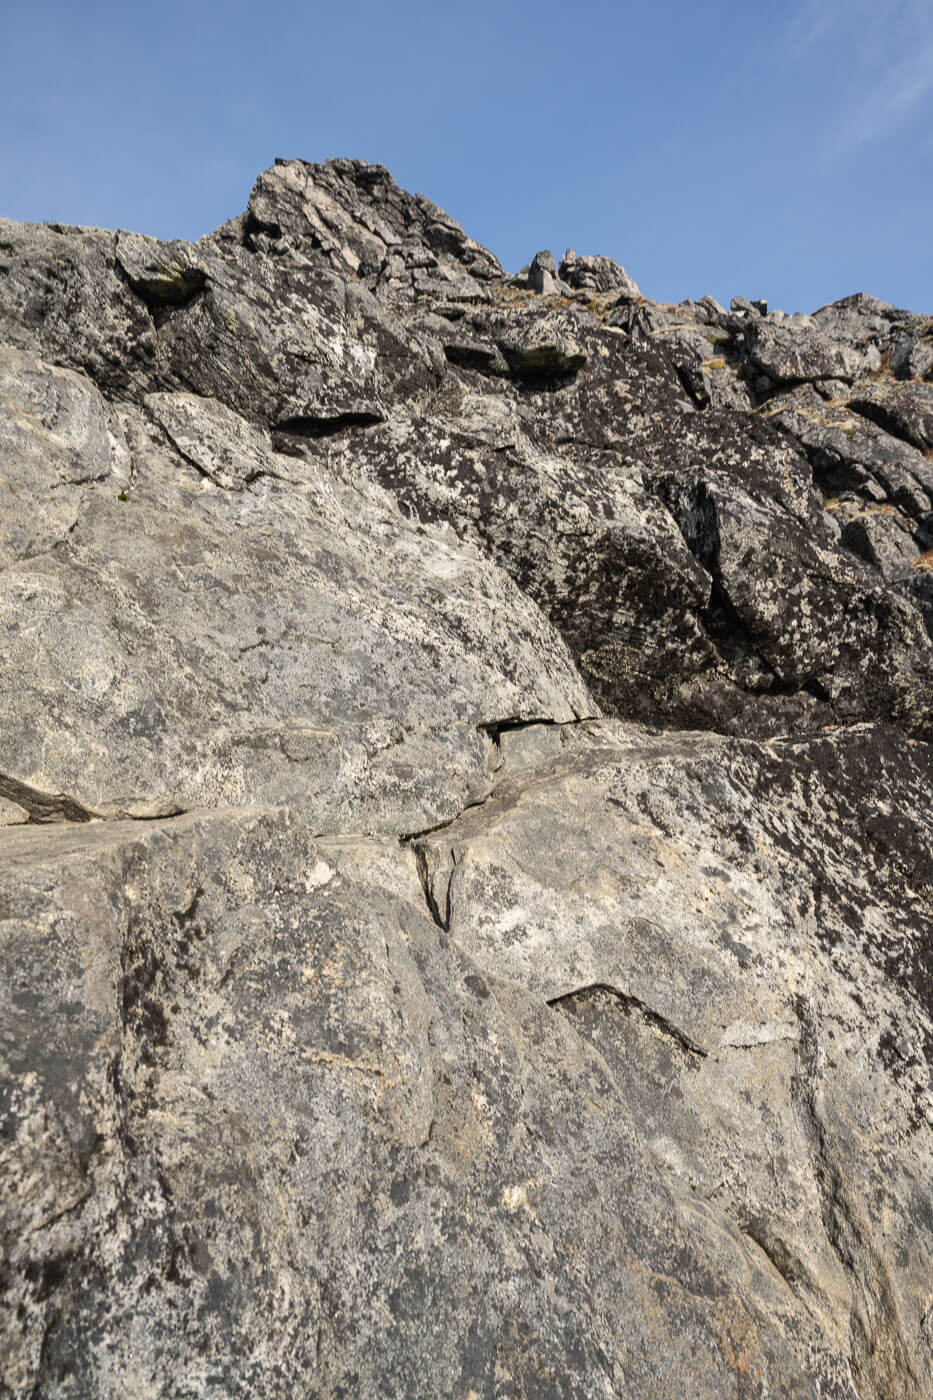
(466, 838)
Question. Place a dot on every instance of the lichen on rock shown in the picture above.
(466, 851)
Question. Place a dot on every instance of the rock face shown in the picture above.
(466, 839)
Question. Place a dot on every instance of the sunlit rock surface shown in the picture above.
(466, 821)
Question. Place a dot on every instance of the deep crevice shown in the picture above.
(441, 920)
(495, 728)
(887, 421)
(44, 807)
(694, 391)
(253, 227)
(630, 1003)
(321, 426)
(166, 290)
(776, 1255)
(481, 358)
(409, 838)
(544, 367)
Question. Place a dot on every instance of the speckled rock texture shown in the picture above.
(466, 822)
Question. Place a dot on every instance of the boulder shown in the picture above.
(542, 275)
(597, 274)
(794, 356)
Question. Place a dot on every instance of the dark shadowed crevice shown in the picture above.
(693, 387)
(253, 227)
(569, 1001)
(773, 1249)
(495, 728)
(889, 421)
(44, 806)
(543, 366)
(728, 632)
(409, 838)
(442, 920)
(166, 288)
(314, 426)
(483, 359)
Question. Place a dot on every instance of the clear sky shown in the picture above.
(780, 149)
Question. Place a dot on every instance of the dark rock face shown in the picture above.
(466, 858)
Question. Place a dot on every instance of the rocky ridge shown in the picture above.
(466, 848)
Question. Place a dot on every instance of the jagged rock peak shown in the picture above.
(596, 274)
(359, 218)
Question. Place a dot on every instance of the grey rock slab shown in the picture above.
(295, 640)
(905, 410)
(288, 343)
(277, 339)
(276, 335)
(789, 356)
(57, 435)
(912, 356)
(63, 298)
(433, 1035)
(268, 1130)
(229, 451)
(743, 931)
(862, 320)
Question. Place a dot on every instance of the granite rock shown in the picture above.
(466, 864)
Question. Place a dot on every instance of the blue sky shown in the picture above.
(782, 150)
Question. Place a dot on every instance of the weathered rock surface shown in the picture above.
(725, 921)
(800, 355)
(466, 854)
(290, 638)
(596, 275)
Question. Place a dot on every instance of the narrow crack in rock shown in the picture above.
(630, 1003)
(50, 807)
(44, 806)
